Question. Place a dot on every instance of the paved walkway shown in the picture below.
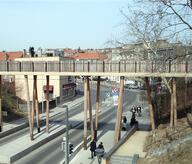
(134, 145)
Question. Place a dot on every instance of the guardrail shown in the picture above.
(97, 66)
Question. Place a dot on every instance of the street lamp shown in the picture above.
(66, 137)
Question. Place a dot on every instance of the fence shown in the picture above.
(97, 66)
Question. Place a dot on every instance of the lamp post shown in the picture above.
(66, 137)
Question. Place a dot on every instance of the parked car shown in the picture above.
(131, 86)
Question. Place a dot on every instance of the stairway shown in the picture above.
(118, 159)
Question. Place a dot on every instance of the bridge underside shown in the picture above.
(126, 74)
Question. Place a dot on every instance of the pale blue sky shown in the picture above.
(59, 23)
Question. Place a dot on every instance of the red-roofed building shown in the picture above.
(10, 55)
(89, 56)
(69, 52)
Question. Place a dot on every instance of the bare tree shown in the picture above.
(148, 21)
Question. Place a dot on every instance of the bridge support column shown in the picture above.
(35, 102)
(185, 100)
(150, 106)
(174, 101)
(90, 109)
(47, 104)
(1, 113)
(85, 114)
(119, 112)
(28, 106)
(97, 107)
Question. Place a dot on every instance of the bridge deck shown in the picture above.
(97, 68)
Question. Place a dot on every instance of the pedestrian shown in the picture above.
(92, 148)
(124, 119)
(100, 146)
(124, 123)
(139, 110)
(133, 110)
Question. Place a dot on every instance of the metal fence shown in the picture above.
(97, 66)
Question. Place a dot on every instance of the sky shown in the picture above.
(59, 23)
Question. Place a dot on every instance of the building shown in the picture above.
(60, 87)
(89, 56)
(9, 56)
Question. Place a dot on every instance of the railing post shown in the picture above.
(73, 66)
(96, 66)
(45, 66)
(19, 66)
(124, 66)
(7, 66)
(186, 66)
(119, 66)
(59, 66)
(32, 67)
(88, 67)
(103, 66)
(169, 65)
(152, 67)
(135, 66)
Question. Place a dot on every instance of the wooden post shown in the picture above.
(97, 107)
(47, 104)
(85, 114)
(185, 99)
(150, 106)
(28, 106)
(174, 102)
(33, 107)
(36, 103)
(1, 113)
(119, 112)
(171, 111)
(90, 109)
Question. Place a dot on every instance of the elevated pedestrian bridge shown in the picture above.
(131, 68)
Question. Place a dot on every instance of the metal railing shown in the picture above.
(97, 66)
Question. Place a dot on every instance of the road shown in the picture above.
(51, 152)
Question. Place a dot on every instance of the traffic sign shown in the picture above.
(4, 113)
(115, 100)
(115, 91)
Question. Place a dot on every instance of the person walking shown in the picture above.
(100, 152)
(100, 146)
(93, 148)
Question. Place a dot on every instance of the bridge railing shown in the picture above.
(97, 66)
